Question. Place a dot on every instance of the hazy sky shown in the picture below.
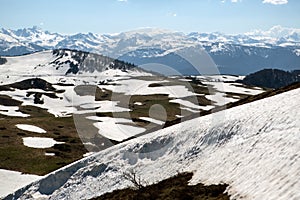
(109, 16)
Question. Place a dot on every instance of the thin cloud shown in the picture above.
(232, 1)
(122, 0)
(276, 2)
(171, 14)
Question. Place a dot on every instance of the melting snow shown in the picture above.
(88, 154)
(254, 148)
(101, 106)
(155, 121)
(30, 128)
(138, 103)
(69, 102)
(112, 128)
(40, 142)
(220, 99)
(49, 154)
(220, 78)
(233, 87)
(190, 104)
(141, 87)
(12, 111)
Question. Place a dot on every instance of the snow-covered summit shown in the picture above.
(61, 62)
(150, 32)
(253, 148)
(34, 35)
(109, 44)
(277, 32)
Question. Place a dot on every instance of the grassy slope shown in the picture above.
(15, 156)
(173, 188)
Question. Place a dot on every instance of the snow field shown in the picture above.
(254, 149)
(8, 183)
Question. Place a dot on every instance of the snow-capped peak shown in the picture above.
(262, 43)
(277, 32)
(149, 31)
(35, 39)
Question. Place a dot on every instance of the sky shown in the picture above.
(113, 16)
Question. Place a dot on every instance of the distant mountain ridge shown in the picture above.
(233, 54)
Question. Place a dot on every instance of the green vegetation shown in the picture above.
(148, 101)
(15, 156)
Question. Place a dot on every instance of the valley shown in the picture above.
(91, 113)
(82, 112)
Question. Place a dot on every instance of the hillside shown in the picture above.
(272, 78)
(77, 114)
(253, 148)
(176, 187)
(60, 62)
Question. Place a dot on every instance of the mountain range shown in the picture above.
(238, 54)
(82, 95)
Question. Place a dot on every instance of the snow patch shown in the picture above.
(39, 142)
(155, 121)
(115, 128)
(190, 104)
(141, 87)
(138, 103)
(31, 128)
(49, 154)
(297, 52)
(12, 111)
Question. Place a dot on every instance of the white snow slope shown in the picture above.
(255, 149)
(8, 183)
